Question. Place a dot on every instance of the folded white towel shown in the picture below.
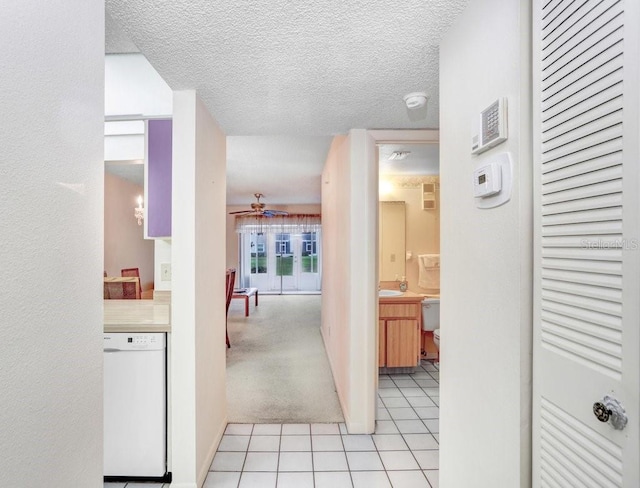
(429, 271)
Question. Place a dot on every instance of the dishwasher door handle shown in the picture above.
(107, 349)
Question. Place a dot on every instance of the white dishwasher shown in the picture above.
(135, 406)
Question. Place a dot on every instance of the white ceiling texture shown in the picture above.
(283, 77)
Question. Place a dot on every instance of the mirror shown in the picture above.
(392, 240)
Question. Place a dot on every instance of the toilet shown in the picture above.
(431, 319)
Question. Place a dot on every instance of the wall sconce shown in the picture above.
(139, 210)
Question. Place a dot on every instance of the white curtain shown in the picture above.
(280, 224)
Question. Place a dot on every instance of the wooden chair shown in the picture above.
(131, 290)
(231, 278)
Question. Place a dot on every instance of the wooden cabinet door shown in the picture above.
(382, 343)
(402, 343)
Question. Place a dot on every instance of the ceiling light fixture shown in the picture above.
(398, 155)
(415, 100)
(138, 212)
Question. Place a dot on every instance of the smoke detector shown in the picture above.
(415, 100)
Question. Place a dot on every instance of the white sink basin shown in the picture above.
(389, 293)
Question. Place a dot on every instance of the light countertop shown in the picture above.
(136, 316)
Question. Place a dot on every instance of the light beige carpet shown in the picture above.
(277, 368)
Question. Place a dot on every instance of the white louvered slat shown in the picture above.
(596, 203)
(582, 168)
(596, 279)
(557, 23)
(580, 187)
(589, 456)
(602, 104)
(578, 176)
(607, 266)
(590, 154)
(578, 34)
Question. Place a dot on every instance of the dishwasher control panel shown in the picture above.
(120, 341)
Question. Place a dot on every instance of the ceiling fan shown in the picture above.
(257, 208)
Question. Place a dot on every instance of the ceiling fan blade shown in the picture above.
(273, 213)
(242, 212)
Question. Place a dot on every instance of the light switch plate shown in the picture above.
(165, 271)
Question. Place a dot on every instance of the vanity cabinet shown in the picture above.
(399, 331)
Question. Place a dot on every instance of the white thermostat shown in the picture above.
(490, 129)
(487, 180)
(492, 181)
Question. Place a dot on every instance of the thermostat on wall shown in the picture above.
(490, 129)
(492, 181)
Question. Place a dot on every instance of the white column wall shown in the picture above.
(198, 304)
(51, 196)
(486, 276)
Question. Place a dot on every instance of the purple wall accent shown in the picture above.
(158, 205)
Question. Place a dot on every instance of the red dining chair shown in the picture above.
(131, 290)
(231, 278)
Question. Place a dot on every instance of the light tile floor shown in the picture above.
(403, 452)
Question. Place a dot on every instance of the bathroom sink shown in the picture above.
(389, 293)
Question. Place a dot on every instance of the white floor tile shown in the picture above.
(386, 427)
(333, 480)
(265, 443)
(389, 392)
(420, 441)
(370, 479)
(113, 485)
(408, 479)
(379, 402)
(398, 460)
(436, 437)
(423, 401)
(358, 443)
(435, 375)
(326, 443)
(295, 461)
(296, 429)
(428, 412)
(433, 477)
(433, 425)
(390, 442)
(343, 428)
(396, 402)
(364, 461)
(386, 384)
(432, 392)
(295, 443)
(429, 366)
(238, 429)
(261, 461)
(295, 480)
(403, 414)
(145, 485)
(329, 461)
(436, 401)
(422, 375)
(228, 461)
(427, 459)
(267, 429)
(325, 429)
(222, 479)
(383, 414)
(405, 383)
(234, 443)
(411, 427)
(427, 383)
(258, 480)
(413, 392)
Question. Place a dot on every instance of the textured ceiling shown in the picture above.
(294, 69)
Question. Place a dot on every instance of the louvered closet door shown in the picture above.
(586, 258)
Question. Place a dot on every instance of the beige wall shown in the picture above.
(232, 236)
(198, 306)
(485, 305)
(124, 245)
(51, 196)
(335, 274)
(422, 233)
(349, 292)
